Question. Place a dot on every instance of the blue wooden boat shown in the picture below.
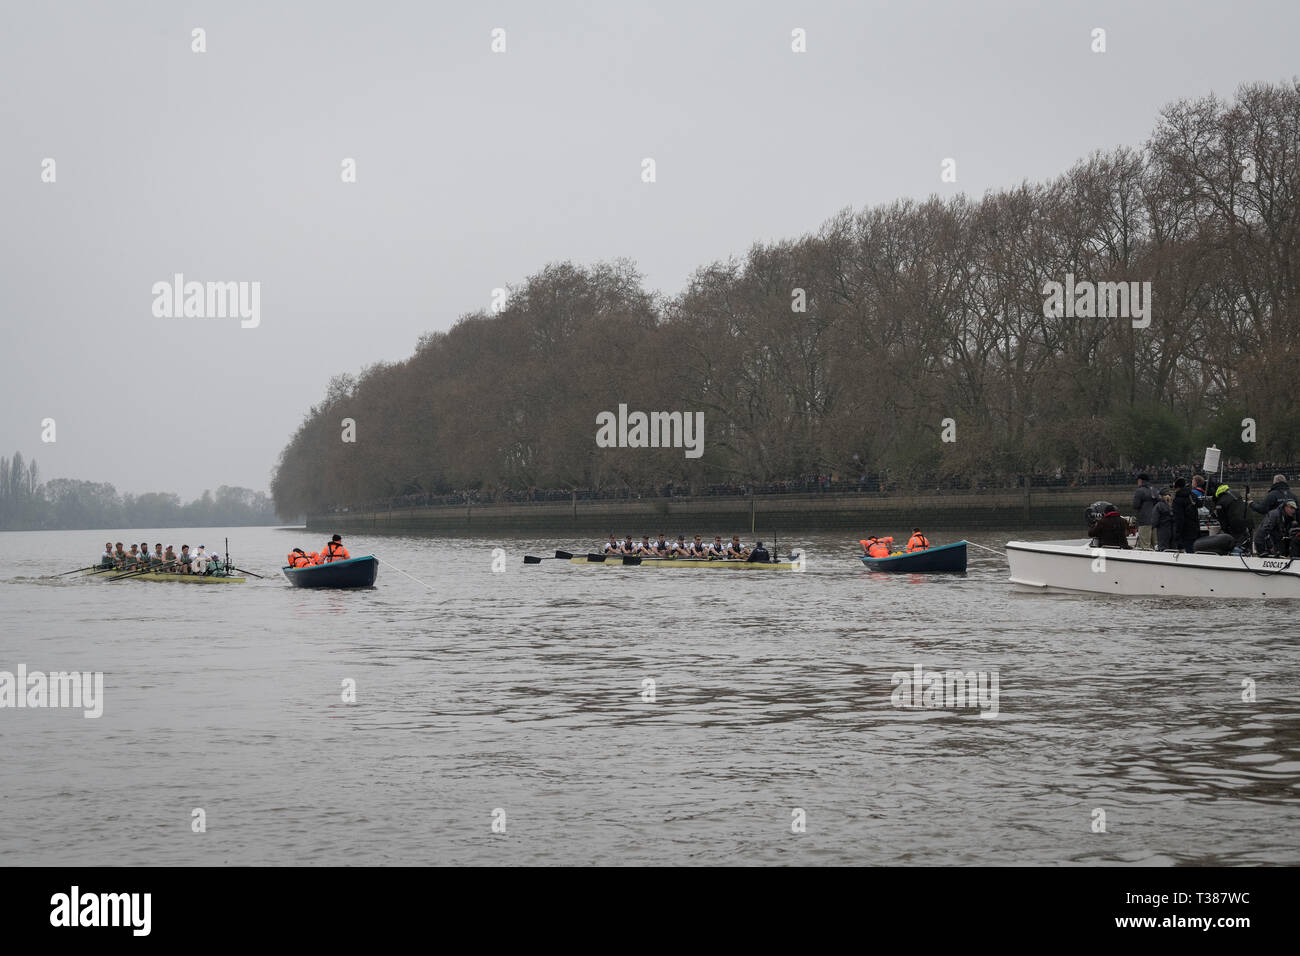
(943, 557)
(352, 573)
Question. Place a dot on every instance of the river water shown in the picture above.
(520, 698)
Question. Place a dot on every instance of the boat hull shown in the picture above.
(941, 558)
(168, 577)
(616, 560)
(352, 573)
(1075, 566)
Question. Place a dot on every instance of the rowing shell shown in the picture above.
(616, 560)
(166, 576)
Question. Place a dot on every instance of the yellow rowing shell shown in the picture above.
(616, 560)
(164, 576)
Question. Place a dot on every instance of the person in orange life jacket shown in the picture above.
(879, 547)
(334, 551)
(298, 558)
(918, 541)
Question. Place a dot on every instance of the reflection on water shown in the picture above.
(526, 691)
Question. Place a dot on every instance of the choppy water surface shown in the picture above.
(523, 692)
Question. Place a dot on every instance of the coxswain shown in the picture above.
(759, 554)
(918, 541)
(334, 551)
(298, 558)
(735, 549)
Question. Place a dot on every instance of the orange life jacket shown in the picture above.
(314, 557)
(298, 560)
(879, 548)
(334, 551)
(917, 542)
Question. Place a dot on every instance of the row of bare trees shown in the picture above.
(913, 313)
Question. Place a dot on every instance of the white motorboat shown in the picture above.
(1077, 566)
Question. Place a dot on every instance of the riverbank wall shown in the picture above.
(1012, 510)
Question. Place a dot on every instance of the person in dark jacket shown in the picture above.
(1274, 535)
(1187, 519)
(1164, 521)
(1231, 512)
(1144, 504)
(1106, 526)
(1276, 495)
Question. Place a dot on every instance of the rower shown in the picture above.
(133, 557)
(106, 560)
(735, 549)
(680, 549)
(157, 557)
(627, 547)
(661, 546)
(200, 561)
(645, 547)
(717, 550)
(611, 546)
(334, 551)
(918, 541)
(184, 558)
(119, 556)
(759, 555)
(697, 548)
(169, 556)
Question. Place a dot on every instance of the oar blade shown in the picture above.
(596, 558)
(563, 556)
(532, 559)
(631, 559)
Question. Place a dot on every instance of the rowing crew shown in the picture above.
(662, 548)
(139, 559)
(334, 551)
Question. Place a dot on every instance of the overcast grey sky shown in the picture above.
(476, 169)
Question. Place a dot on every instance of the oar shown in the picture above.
(559, 556)
(631, 559)
(249, 573)
(139, 571)
(74, 571)
(596, 558)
